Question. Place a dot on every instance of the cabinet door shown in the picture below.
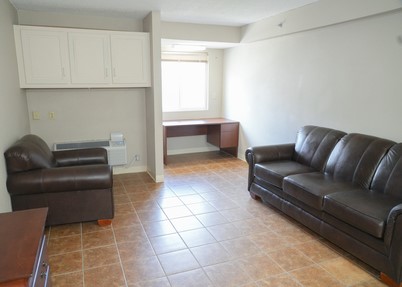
(131, 59)
(90, 58)
(45, 57)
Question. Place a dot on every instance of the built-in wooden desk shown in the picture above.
(220, 132)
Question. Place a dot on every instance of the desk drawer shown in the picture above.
(229, 127)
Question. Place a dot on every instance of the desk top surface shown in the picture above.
(20, 237)
(194, 122)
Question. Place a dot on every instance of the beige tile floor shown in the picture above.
(199, 228)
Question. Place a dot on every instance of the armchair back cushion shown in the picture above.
(28, 153)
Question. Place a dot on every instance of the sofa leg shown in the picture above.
(254, 196)
(390, 282)
(104, 222)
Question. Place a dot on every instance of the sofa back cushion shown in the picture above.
(30, 152)
(356, 157)
(314, 145)
(388, 176)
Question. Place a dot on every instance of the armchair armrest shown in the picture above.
(259, 154)
(80, 157)
(59, 179)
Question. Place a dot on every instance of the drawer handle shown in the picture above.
(43, 274)
(44, 264)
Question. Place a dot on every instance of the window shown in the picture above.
(184, 82)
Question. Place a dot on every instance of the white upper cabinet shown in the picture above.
(130, 58)
(43, 57)
(73, 58)
(90, 58)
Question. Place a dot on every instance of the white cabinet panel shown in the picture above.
(90, 58)
(43, 57)
(130, 58)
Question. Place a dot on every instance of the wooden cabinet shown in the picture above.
(43, 57)
(81, 58)
(24, 261)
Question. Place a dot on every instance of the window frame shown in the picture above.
(195, 57)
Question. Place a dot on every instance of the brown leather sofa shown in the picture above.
(76, 185)
(345, 187)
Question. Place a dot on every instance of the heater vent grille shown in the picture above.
(116, 151)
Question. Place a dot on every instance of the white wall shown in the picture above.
(73, 20)
(153, 101)
(203, 33)
(85, 114)
(318, 14)
(346, 76)
(13, 105)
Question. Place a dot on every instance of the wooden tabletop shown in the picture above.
(193, 122)
(21, 233)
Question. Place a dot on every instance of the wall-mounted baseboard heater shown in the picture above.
(116, 150)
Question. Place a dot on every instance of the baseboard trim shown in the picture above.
(191, 150)
(133, 169)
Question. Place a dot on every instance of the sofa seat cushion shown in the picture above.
(365, 210)
(311, 188)
(273, 172)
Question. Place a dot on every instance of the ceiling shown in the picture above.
(214, 12)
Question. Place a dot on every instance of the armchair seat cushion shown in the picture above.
(366, 210)
(275, 171)
(311, 188)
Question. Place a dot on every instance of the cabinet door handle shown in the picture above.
(63, 72)
(114, 72)
(106, 73)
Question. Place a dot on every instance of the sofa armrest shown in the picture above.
(391, 221)
(59, 179)
(259, 154)
(80, 156)
(393, 241)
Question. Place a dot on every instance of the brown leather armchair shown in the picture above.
(76, 185)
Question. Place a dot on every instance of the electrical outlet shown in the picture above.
(52, 115)
(137, 157)
(36, 115)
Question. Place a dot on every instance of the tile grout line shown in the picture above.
(82, 255)
(118, 254)
(117, 246)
